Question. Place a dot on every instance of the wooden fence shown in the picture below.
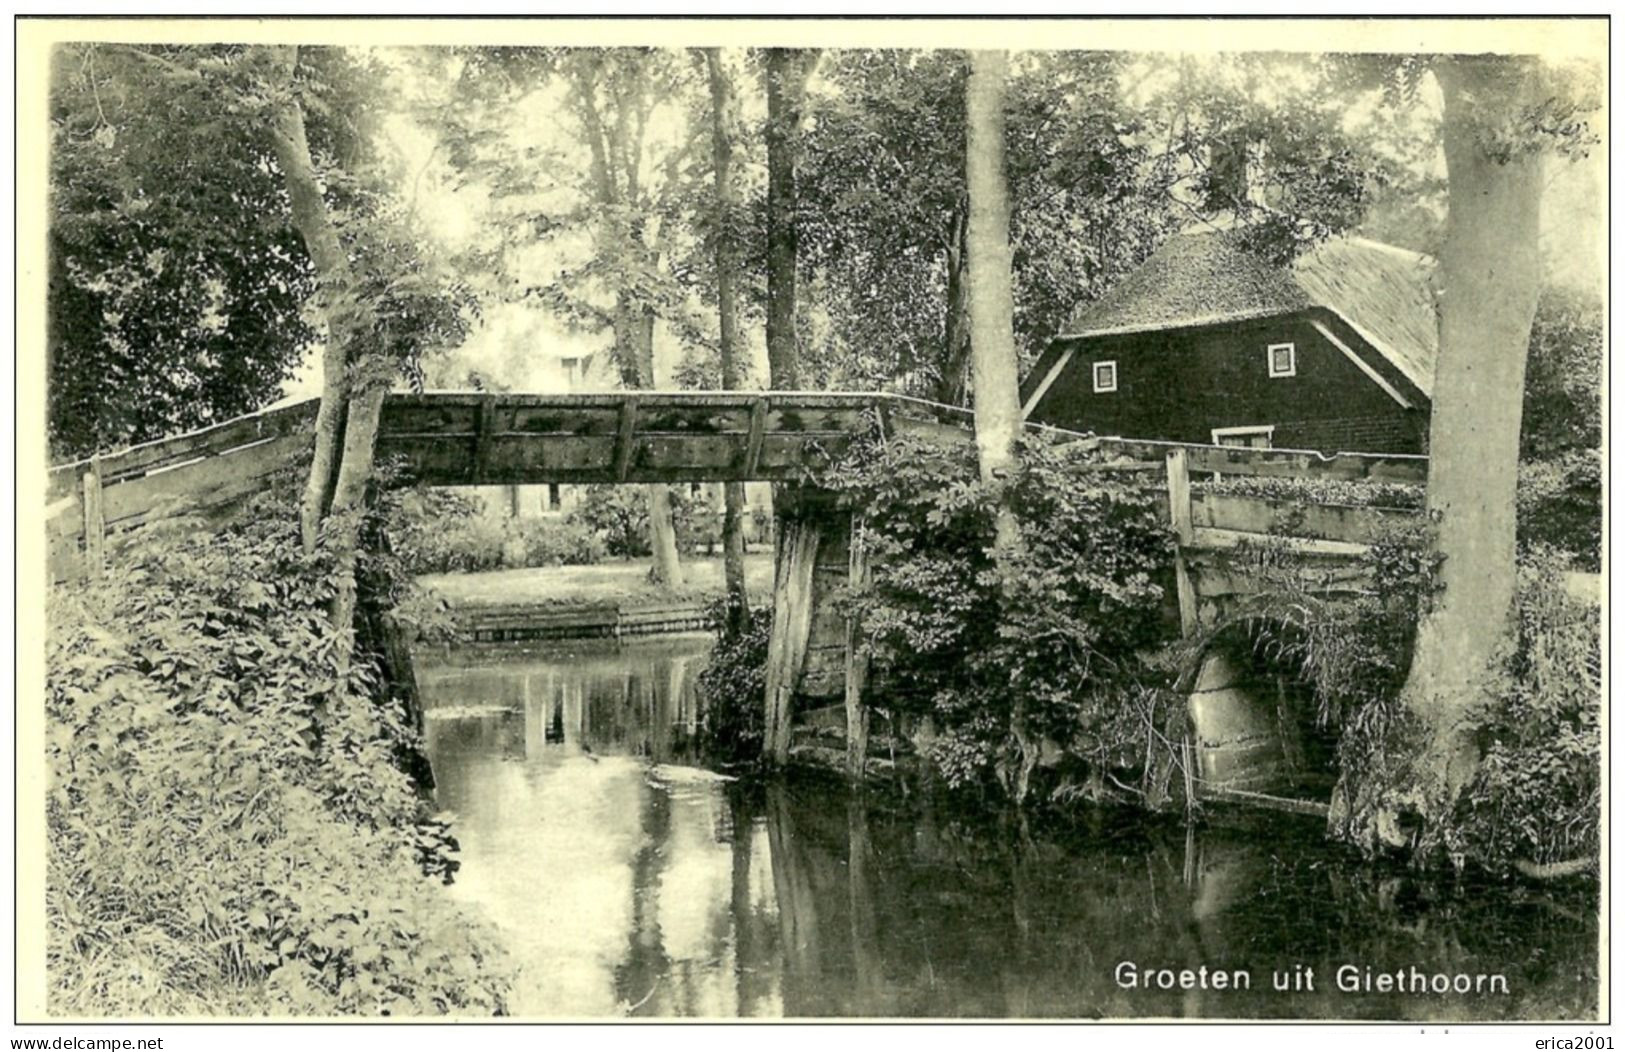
(91, 504)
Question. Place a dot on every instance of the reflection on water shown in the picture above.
(626, 881)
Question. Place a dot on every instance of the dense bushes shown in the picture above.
(619, 516)
(1538, 794)
(1070, 638)
(1560, 478)
(228, 828)
(1536, 798)
(1074, 637)
(733, 684)
(442, 531)
(1351, 648)
(1560, 505)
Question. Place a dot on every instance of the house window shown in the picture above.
(1105, 377)
(1283, 359)
(1257, 437)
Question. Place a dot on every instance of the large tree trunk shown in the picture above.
(332, 265)
(787, 73)
(371, 381)
(614, 151)
(723, 121)
(992, 308)
(993, 342)
(354, 381)
(667, 567)
(1490, 280)
(668, 563)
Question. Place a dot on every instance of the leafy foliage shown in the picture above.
(1562, 403)
(1538, 794)
(178, 287)
(614, 199)
(176, 280)
(733, 683)
(1350, 649)
(883, 208)
(442, 531)
(1362, 493)
(1106, 154)
(619, 517)
(1536, 797)
(1072, 633)
(228, 826)
(1560, 505)
(1560, 474)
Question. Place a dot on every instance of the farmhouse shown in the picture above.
(1207, 342)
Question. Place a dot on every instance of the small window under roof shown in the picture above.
(1283, 359)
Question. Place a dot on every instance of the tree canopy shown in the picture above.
(179, 286)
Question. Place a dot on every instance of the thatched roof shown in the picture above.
(1204, 277)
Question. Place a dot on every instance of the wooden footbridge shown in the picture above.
(462, 438)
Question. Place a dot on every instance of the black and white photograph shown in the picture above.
(830, 520)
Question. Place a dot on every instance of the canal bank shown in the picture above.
(605, 600)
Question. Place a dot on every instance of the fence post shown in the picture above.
(1179, 513)
(95, 522)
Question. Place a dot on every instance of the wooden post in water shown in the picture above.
(857, 664)
(1179, 512)
(797, 554)
(95, 523)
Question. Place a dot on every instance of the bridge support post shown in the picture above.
(857, 665)
(796, 555)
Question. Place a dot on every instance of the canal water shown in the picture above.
(625, 880)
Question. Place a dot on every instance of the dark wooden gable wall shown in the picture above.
(1179, 385)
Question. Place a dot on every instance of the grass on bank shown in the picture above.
(624, 583)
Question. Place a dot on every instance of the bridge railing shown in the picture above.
(635, 436)
(1301, 516)
(477, 438)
